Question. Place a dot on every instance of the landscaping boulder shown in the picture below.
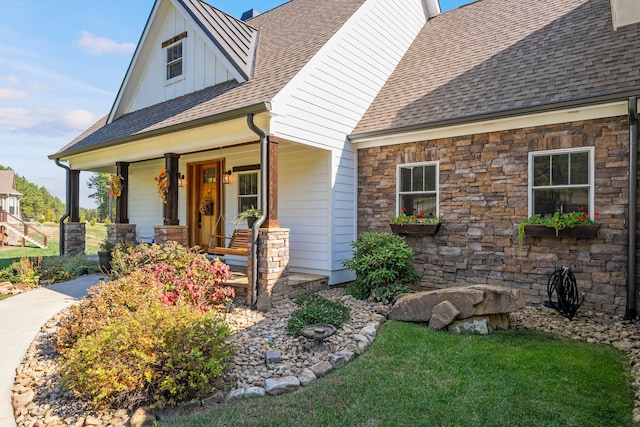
(470, 301)
(442, 315)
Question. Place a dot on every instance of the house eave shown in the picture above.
(496, 115)
(218, 118)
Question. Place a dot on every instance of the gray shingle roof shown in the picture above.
(289, 37)
(498, 55)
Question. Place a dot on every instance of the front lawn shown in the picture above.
(414, 376)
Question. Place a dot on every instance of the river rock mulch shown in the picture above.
(40, 400)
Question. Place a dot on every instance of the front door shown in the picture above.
(206, 206)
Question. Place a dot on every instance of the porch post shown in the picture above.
(171, 207)
(272, 220)
(74, 195)
(122, 202)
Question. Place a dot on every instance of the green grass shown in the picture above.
(414, 376)
(94, 235)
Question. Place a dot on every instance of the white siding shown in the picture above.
(304, 206)
(145, 207)
(320, 107)
(202, 67)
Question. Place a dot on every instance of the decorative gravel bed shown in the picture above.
(40, 400)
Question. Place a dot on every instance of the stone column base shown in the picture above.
(171, 233)
(121, 233)
(273, 267)
(74, 238)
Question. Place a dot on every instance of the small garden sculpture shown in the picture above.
(563, 284)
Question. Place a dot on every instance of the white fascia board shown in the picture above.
(624, 12)
(134, 60)
(496, 125)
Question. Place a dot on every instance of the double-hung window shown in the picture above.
(174, 60)
(561, 181)
(247, 191)
(418, 189)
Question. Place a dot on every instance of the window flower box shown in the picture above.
(415, 229)
(579, 231)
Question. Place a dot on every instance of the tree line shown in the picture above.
(37, 204)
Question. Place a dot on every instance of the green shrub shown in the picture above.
(316, 309)
(386, 294)
(157, 355)
(381, 259)
(92, 222)
(358, 290)
(61, 268)
(106, 301)
(183, 273)
(23, 272)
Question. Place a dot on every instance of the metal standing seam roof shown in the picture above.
(499, 55)
(289, 36)
(7, 183)
(234, 37)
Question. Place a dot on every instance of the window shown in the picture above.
(247, 191)
(561, 181)
(418, 188)
(174, 61)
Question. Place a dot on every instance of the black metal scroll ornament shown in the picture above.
(563, 284)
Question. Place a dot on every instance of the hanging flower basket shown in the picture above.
(162, 184)
(415, 229)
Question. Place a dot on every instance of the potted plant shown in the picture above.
(572, 224)
(251, 215)
(105, 255)
(415, 225)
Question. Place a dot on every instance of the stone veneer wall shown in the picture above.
(74, 238)
(171, 233)
(273, 267)
(484, 195)
(121, 233)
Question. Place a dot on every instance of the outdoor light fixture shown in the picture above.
(225, 176)
(181, 180)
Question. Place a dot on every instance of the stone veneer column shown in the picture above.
(171, 233)
(273, 267)
(121, 233)
(74, 238)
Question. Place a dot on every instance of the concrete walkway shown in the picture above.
(21, 318)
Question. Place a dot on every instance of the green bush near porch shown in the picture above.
(415, 376)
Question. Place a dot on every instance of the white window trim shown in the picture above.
(590, 150)
(181, 77)
(405, 165)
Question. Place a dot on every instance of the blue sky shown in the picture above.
(62, 63)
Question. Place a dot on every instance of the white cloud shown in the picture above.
(7, 94)
(98, 45)
(44, 122)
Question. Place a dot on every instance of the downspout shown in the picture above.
(68, 205)
(264, 179)
(630, 312)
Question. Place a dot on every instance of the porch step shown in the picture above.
(15, 230)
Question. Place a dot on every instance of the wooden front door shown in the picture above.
(206, 206)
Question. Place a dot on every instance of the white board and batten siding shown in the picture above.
(145, 206)
(323, 104)
(202, 65)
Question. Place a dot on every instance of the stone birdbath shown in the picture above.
(318, 332)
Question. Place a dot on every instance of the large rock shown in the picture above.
(443, 314)
(472, 300)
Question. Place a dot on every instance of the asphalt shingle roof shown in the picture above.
(290, 35)
(7, 181)
(498, 55)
